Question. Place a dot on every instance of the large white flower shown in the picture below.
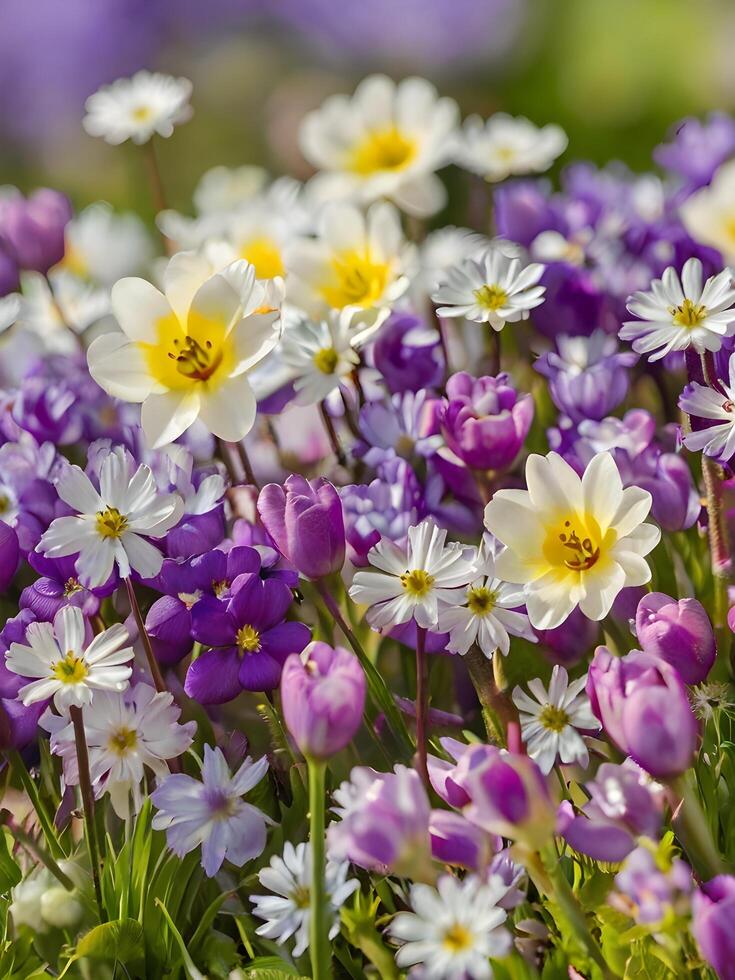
(360, 261)
(571, 541)
(413, 581)
(453, 929)
(287, 912)
(709, 213)
(716, 405)
(492, 288)
(111, 525)
(185, 353)
(550, 725)
(384, 142)
(103, 245)
(319, 355)
(676, 314)
(67, 668)
(505, 145)
(136, 108)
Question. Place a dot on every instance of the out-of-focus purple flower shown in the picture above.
(446, 777)
(28, 499)
(679, 633)
(19, 723)
(512, 875)
(622, 807)
(574, 302)
(407, 354)
(650, 894)
(568, 643)
(249, 637)
(304, 519)
(322, 698)
(48, 410)
(714, 913)
(588, 376)
(643, 706)
(456, 841)
(405, 427)
(9, 272)
(374, 511)
(33, 227)
(384, 823)
(697, 148)
(9, 555)
(485, 421)
(59, 586)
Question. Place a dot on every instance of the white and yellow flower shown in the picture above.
(386, 141)
(318, 354)
(709, 213)
(505, 146)
(572, 541)
(186, 353)
(136, 108)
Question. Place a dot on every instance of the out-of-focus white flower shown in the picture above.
(505, 145)
(103, 245)
(709, 213)
(74, 303)
(136, 108)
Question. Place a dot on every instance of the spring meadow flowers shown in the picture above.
(367, 586)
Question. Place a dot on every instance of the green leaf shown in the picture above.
(273, 975)
(10, 874)
(121, 941)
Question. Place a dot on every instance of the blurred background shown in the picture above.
(616, 74)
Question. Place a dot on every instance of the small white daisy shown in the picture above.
(676, 314)
(505, 145)
(445, 248)
(66, 668)
(413, 581)
(550, 725)
(111, 526)
(487, 615)
(319, 355)
(717, 405)
(136, 108)
(453, 929)
(287, 912)
(493, 288)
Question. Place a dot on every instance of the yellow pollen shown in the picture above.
(417, 582)
(70, 670)
(142, 113)
(71, 587)
(194, 360)
(4, 503)
(457, 938)
(405, 445)
(121, 741)
(554, 719)
(491, 297)
(357, 280)
(382, 149)
(111, 523)
(201, 351)
(688, 314)
(74, 261)
(326, 360)
(481, 601)
(248, 639)
(265, 256)
(301, 897)
(577, 554)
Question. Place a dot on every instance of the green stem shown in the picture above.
(693, 832)
(319, 946)
(32, 793)
(85, 785)
(615, 635)
(495, 706)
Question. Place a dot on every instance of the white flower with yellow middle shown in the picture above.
(186, 353)
(572, 541)
(709, 213)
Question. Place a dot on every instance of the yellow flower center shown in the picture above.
(219, 588)
(481, 601)
(111, 523)
(248, 639)
(71, 587)
(121, 741)
(142, 113)
(554, 719)
(70, 670)
(688, 314)
(417, 583)
(326, 360)
(457, 938)
(301, 897)
(74, 261)
(382, 149)
(200, 353)
(4, 503)
(357, 280)
(264, 254)
(574, 544)
(491, 297)
(190, 599)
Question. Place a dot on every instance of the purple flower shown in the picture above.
(407, 354)
(28, 499)
(484, 420)
(9, 272)
(34, 227)
(679, 633)
(714, 913)
(203, 525)
(374, 511)
(698, 148)
(250, 638)
(575, 302)
(456, 841)
(651, 893)
(304, 519)
(643, 706)
(512, 875)
(9, 555)
(568, 643)
(19, 723)
(59, 586)
(322, 699)
(405, 427)
(48, 410)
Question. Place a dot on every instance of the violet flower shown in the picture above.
(374, 511)
(9, 555)
(679, 633)
(714, 913)
(405, 427)
(34, 227)
(650, 894)
(407, 354)
(59, 586)
(697, 148)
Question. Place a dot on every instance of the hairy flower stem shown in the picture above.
(497, 710)
(85, 785)
(319, 946)
(332, 434)
(422, 704)
(31, 791)
(33, 848)
(692, 829)
(225, 454)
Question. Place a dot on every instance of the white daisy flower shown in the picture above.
(385, 141)
(413, 581)
(453, 929)
(64, 666)
(136, 108)
(493, 288)
(505, 146)
(550, 725)
(709, 213)
(572, 541)
(445, 248)
(360, 261)
(111, 525)
(74, 303)
(287, 912)
(319, 355)
(676, 314)
(186, 353)
(224, 189)
(126, 733)
(487, 616)
(103, 245)
(717, 405)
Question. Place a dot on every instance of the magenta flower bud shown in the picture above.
(485, 422)
(456, 841)
(714, 914)
(9, 554)
(679, 633)
(304, 518)
(323, 698)
(34, 227)
(642, 704)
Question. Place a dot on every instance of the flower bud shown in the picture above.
(456, 841)
(323, 698)
(61, 908)
(714, 914)
(34, 227)
(679, 633)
